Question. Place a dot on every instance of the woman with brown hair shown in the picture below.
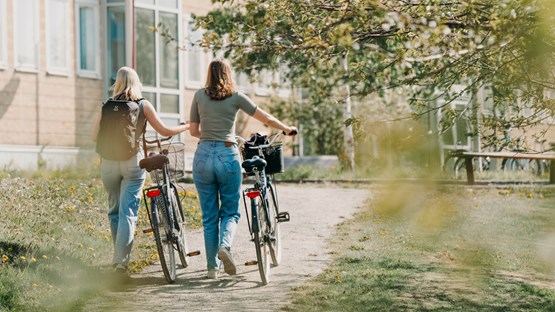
(216, 165)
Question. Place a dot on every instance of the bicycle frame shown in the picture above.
(258, 190)
(167, 222)
(263, 220)
(261, 185)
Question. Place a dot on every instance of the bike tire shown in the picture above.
(260, 241)
(275, 241)
(162, 228)
(513, 165)
(536, 167)
(179, 217)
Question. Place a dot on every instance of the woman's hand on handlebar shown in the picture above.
(291, 131)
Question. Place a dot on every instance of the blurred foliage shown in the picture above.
(438, 248)
(321, 127)
(420, 48)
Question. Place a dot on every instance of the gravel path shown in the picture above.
(314, 209)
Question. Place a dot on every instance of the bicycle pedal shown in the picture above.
(193, 253)
(146, 231)
(252, 262)
(283, 217)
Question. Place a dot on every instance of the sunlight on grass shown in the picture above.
(56, 245)
(426, 247)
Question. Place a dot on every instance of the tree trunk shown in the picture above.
(348, 137)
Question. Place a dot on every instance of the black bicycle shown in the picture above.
(165, 163)
(262, 159)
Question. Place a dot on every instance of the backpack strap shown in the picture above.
(142, 112)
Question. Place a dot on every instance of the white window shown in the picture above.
(264, 82)
(195, 57)
(284, 89)
(242, 82)
(26, 35)
(159, 62)
(87, 38)
(57, 37)
(3, 35)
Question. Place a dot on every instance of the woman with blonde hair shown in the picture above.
(216, 165)
(123, 179)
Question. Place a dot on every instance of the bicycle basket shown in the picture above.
(272, 154)
(176, 155)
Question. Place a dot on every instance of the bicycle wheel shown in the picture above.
(275, 239)
(512, 164)
(536, 167)
(262, 247)
(162, 228)
(179, 217)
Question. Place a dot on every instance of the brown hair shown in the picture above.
(219, 82)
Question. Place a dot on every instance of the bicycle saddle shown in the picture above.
(154, 162)
(255, 162)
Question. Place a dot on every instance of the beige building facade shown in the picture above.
(58, 59)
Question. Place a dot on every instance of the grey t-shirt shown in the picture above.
(217, 118)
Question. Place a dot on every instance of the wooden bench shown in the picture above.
(468, 156)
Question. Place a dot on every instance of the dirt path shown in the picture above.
(314, 212)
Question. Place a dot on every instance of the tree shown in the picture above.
(426, 46)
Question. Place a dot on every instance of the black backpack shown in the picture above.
(121, 125)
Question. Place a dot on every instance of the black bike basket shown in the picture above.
(272, 154)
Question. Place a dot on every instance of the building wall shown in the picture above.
(45, 115)
(41, 111)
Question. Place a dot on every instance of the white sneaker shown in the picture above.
(225, 256)
(212, 274)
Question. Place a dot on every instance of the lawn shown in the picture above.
(434, 248)
(55, 241)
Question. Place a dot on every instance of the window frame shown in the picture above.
(51, 69)
(86, 73)
(27, 67)
(3, 35)
(190, 83)
(158, 90)
(265, 75)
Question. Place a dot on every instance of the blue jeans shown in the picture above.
(217, 175)
(123, 181)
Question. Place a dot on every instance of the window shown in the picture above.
(57, 36)
(3, 35)
(87, 38)
(157, 59)
(146, 46)
(169, 63)
(116, 41)
(195, 65)
(242, 82)
(265, 81)
(26, 35)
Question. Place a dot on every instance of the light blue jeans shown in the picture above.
(217, 175)
(123, 181)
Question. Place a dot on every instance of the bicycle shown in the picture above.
(263, 161)
(165, 164)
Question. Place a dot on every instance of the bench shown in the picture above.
(468, 156)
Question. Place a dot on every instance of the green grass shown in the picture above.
(55, 242)
(429, 248)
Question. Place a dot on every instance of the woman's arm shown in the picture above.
(158, 125)
(271, 121)
(194, 130)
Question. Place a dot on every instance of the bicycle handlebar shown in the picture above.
(271, 141)
(158, 140)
